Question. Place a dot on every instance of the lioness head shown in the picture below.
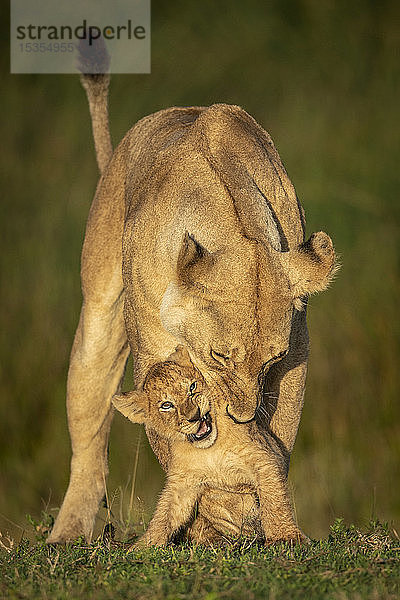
(235, 311)
(175, 401)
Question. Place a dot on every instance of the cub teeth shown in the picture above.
(205, 420)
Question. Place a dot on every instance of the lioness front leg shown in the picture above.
(285, 384)
(173, 510)
(276, 512)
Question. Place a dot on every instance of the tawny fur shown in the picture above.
(231, 457)
(96, 87)
(196, 236)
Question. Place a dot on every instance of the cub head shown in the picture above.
(174, 400)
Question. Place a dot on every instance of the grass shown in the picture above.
(348, 564)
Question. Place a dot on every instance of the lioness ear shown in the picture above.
(181, 356)
(132, 405)
(193, 260)
(311, 266)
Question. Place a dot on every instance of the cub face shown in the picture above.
(175, 401)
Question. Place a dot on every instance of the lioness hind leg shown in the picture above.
(98, 358)
(97, 365)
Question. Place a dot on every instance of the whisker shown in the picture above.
(264, 413)
(271, 395)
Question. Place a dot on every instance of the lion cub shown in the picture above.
(208, 450)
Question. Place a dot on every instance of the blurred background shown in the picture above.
(323, 78)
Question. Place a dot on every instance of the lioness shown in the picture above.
(195, 236)
(207, 451)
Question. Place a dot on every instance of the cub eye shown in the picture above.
(166, 406)
(193, 387)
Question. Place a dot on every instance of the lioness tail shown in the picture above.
(93, 63)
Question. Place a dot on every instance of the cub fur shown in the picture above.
(208, 450)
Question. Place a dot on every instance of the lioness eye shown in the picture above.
(220, 358)
(166, 406)
(193, 387)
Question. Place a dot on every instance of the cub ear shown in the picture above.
(193, 260)
(132, 405)
(311, 267)
(181, 356)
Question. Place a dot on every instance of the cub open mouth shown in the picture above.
(204, 429)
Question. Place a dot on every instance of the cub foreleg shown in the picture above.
(173, 510)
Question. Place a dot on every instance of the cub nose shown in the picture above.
(196, 416)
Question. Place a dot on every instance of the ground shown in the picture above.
(348, 564)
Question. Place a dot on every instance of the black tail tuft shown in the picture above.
(93, 59)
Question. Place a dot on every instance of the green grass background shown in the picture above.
(322, 77)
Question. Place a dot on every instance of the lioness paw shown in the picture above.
(293, 538)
